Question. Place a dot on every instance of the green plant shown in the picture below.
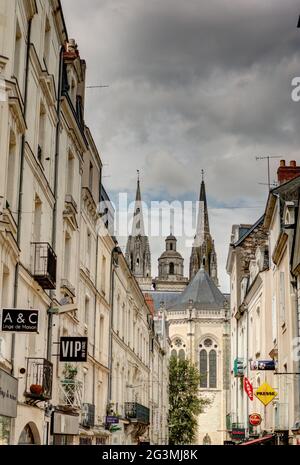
(70, 372)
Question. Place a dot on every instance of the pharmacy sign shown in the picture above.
(265, 393)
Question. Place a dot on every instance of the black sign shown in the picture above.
(73, 349)
(21, 321)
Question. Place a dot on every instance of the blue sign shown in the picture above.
(111, 420)
(262, 365)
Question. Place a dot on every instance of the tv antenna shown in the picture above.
(268, 157)
(97, 87)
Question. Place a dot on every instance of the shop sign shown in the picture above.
(19, 321)
(265, 393)
(8, 395)
(255, 419)
(262, 365)
(73, 349)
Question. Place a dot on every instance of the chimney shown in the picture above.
(150, 302)
(287, 172)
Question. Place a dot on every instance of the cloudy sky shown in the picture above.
(194, 84)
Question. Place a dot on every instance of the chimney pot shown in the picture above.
(293, 163)
(282, 162)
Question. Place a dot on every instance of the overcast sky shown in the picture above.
(194, 84)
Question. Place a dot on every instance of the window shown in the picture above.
(11, 175)
(171, 268)
(89, 249)
(101, 334)
(86, 310)
(42, 127)
(18, 45)
(171, 246)
(208, 364)
(67, 258)
(282, 297)
(47, 42)
(212, 369)
(178, 349)
(103, 275)
(91, 175)
(5, 300)
(70, 173)
(203, 368)
(37, 221)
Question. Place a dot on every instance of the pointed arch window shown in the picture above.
(178, 349)
(203, 368)
(208, 364)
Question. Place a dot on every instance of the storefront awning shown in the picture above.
(258, 441)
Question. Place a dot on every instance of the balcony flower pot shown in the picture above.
(36, 389)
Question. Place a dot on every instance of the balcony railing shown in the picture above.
(137, 412)
(44, 265)
(71, 393)
(39, 379)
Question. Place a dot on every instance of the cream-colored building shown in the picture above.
(56, 254)
(264, 321)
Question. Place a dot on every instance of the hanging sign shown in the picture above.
(265, 393)
(73, 349)
(262, 365)
(248, 388)
(19, 321)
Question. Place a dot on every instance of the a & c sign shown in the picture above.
(20, 321)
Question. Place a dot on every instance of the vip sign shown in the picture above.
(19, 321)
(265, 393)
(73, 349)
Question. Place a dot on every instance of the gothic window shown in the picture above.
(171, 268)
(181, 354)
(203, 368)
(208, 364)
(178, 349)
(212, 369)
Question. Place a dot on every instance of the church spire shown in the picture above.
(138, 228)
(138, 250)
(203, 252)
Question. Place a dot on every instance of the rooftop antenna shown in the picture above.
(96, 87)
(268, 157)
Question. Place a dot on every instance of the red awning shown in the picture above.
(258, 440)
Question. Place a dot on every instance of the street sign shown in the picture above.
(262, 365)
(19, 321)
(73, 349)
(248, 388)
(110, 419)
(255, 419)
(265, 393)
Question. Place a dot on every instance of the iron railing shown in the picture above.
(39, 379)
(44, 265)
(137, 412)
(71, 393)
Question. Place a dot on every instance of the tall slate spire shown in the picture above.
(138, 254)
(203, 251)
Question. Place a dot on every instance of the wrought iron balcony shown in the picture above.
(44, 265)
(137, 413)
(39, 377)
(71, 394)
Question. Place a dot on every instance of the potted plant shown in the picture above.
(36, 389)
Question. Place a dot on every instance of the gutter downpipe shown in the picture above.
(54, 217)
(20, 199)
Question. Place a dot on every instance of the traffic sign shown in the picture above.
(255, 419)
(265, 393)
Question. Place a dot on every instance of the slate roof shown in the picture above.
(202, 291)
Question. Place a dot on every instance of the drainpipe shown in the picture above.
(54, 217)
(247, 371)
(95, 311)
(20, 199)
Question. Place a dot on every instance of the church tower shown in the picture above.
(170, 268)
(203, 251)
(138, 250)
